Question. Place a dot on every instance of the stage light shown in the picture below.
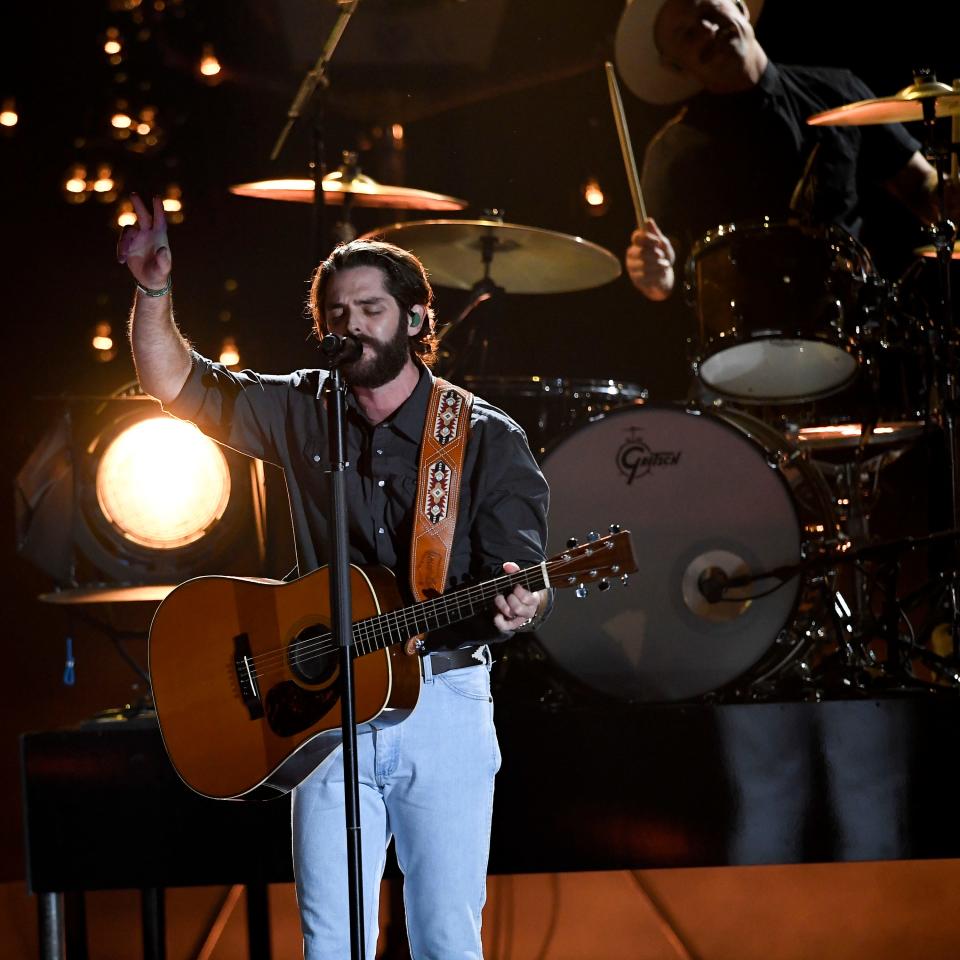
(397, 131)
(120, 493)
(143, 129)
(8, 114)
(209, 64)
(229, 352)
(121, 121)
(162, 484)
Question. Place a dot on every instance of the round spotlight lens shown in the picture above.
(162, 483)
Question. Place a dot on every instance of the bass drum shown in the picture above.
(706, 496)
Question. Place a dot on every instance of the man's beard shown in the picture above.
(380, 362)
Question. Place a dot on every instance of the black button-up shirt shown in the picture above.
(282, 420)
(738, 157)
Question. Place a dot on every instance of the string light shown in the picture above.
(121, 120)
(397, 131)
(8, 114)
(209, 64)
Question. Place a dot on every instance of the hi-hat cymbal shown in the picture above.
(105, 593)
(362, 190)
(522, 259)
(904, 106)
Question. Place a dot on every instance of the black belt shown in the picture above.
(453, 660)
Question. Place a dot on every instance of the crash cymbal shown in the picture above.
(904, 106)
(363, 191)
(522, 259)
(931, 251)
(105, 593)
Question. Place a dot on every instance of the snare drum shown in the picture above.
(548, 407)
(706, 496)
(779, 309)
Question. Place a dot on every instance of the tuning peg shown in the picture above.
(592, 535)
(604, 584)
(572, 542)
(614, 527)
(625, 579)
(580, 592)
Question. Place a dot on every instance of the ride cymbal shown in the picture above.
(461, 253)
(904, 106)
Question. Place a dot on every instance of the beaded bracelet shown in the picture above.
(162, 292)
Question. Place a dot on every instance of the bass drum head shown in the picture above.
(705, 495)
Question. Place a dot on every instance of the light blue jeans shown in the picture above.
(428, 783)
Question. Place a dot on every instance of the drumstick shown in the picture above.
(625, 147)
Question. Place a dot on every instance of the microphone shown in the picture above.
(340, 349)
(711, 583)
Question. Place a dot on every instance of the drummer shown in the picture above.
(740, 148)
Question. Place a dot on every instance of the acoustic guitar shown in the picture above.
(245, 672)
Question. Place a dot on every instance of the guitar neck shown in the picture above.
(377, 633)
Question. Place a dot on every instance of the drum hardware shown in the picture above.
(926, 100)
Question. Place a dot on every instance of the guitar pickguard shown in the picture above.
(290, 709)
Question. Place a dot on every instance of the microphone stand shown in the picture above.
(336, 350)
(317, 77)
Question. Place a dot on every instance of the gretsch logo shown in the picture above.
(635, 459)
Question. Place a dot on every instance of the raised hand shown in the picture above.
(650, 260)
(144, 248)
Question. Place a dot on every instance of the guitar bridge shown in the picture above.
(247, 676)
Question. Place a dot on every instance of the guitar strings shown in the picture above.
(366, 631)
(370, 631)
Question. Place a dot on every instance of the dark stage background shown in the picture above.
(509, 111)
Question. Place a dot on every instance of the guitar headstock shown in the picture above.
(596, 559)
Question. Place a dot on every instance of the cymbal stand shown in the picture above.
(942, 336)
(485, 289)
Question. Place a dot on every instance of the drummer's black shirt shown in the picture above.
(738, 157)
(282, 419)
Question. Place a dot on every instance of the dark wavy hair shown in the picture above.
(404, 277)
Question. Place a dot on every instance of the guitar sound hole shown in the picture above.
(312, 656)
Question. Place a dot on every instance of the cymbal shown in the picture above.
(931, 251)
(524, 259)
(363, 191)
(103, 593)
(902, 107)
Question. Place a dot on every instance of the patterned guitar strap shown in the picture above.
(446, 430)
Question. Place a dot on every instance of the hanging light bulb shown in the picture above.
(229, 353)
(112, 45)
(102, 340)
(8, 114)
(125, 215)
(209, 64)
(75, 184)
(173, 203)
(594, 198)
(104, 183)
